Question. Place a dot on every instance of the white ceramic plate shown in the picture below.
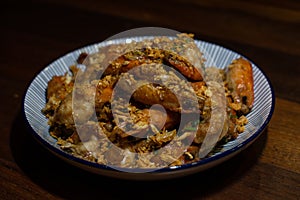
(259, 117)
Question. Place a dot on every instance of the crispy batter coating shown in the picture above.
(137, 126)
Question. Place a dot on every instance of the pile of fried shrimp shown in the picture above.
(166, 96)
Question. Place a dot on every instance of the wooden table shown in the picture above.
(34, 33)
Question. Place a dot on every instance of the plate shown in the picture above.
(259, 117)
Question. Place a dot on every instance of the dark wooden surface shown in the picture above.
(34, 33)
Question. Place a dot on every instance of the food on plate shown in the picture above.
(240, 81)
(141, 96)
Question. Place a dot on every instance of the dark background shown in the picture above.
(34, 33)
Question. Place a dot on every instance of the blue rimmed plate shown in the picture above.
(259, 117)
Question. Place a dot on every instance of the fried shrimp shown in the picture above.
(145, 96)
(240, 82)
